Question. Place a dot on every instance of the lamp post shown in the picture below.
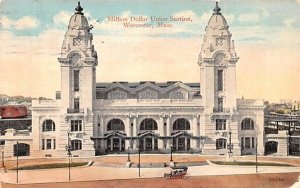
(229, 146)
(17, 162)
(68, 149)
(128, 157)
(171, 157)
(3, 159)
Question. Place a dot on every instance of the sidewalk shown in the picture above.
(96, 172)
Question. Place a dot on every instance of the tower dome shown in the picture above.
(78, 40)
(78, 20)
(217, 39)
(217, 20)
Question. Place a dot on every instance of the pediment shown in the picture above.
(178, 85)
(117, 85)
(148, 85)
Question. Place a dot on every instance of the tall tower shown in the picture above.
(78, 83)
(217, 62)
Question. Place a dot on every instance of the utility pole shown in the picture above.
(256, 154)
(171, 157)
(139, 159)
(17, 162)
(3, 158)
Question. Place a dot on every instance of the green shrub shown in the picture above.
(248, 163)
(50, 165)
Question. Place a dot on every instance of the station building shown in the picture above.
(99, 118)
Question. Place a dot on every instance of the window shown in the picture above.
(220, 104)
(99, 95)
(76, 145)
(181, 124)
(148, 124)
(48, 125)
(247, 142)
(219, 42)
(247, 124)
(242, 142)
(54, 144)
(253, 142)
(76, 103)
(76, 80)
(220, 124)
(177, 95)
(117, 95)
(76, 125)
(148, 95)
(115, 125)
(48, 143)
(221, 143)
(220, 80)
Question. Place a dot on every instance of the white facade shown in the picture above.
(155, 117)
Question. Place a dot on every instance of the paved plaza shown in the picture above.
(114, 169)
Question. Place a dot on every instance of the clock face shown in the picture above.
(76, 41)
(76, 60)
(220, 59)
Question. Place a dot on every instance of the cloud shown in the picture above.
(26, 22)
(289, 22)
(254, 17)
(249, 18)
(62, 18)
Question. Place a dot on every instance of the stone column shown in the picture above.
(128, 127)
(120, 144)
(152, 143)
(134, 132)
(127, 144)
(161, 132)
(195, 132)
(168, 132)
(102, 130)
(111, 144)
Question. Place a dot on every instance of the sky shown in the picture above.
(266, 35)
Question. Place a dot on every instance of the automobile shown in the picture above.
(176, 172)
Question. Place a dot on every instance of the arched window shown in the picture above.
(221, 143)
(247, 124)
(115, 125)
(148, 124)
(181, 124)
(48, 125)
(76, 145)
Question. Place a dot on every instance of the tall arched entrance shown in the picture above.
(115, 137)
(147, 138)
(181, 139)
